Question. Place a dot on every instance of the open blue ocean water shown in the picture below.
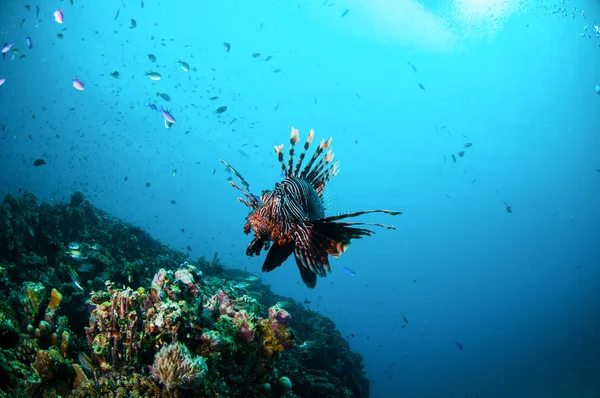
(478, 119)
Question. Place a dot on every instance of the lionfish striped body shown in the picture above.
(292, 215)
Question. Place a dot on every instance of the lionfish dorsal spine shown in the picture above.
(309, 139)
(327, 175)
(279, 152)
(294, 138)
(322, 146)
(320, 166)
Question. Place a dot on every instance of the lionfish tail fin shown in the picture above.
(251, 200)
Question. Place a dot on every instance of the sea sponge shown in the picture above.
(175, 368)
(55, 299)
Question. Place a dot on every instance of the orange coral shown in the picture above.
(55, 299)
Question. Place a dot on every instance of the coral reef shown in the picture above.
(91, 306)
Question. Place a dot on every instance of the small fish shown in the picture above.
(22, 23)
(37, 11)
(461, 153)
(597, 89)
(78, 84)
(508, 208)
(460, 346)
(307, 345)
(349, 271)
(173, 202)
(115, 74)
(2, 80)
(35, 259)
(152, 57)
(346, 11)
(174, 172)
(133, 24)
(468, 145)
(27, 7)
(422, 87)
(405, 320)
(6, 48)
(168, 124)
(59, 36)
(184, 66)
(270, 57)
(214, 98)
(153, 107)
(73, 246)
(414, 68)
(97, 247)
(29, 42)
(255, 55)
(76, 255)
(153, 75)
(453, 158)
(117, 14)
(221, 109)
(227, 46)
(58, 16)
(164, 96)
(86, 362)
(276, 70)
(167, 115)
(75, 279)
(39, 162)
(142, 4)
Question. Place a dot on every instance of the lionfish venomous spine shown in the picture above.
(292, 215)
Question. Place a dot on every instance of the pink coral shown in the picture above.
(225, 304)
(185, 276)
(245, 326)
(279, 315)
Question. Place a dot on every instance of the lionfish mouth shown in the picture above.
(291, 219)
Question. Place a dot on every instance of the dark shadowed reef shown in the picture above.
(93, 306)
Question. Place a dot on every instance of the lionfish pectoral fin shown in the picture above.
(255, 246)
(335, 237)
(308, 277)
(277, 255)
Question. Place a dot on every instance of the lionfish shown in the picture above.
(292, 215)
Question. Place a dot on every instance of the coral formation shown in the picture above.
(175, 367)
(91, 306)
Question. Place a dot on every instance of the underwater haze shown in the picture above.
(479, 120)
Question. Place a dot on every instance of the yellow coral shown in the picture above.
(65, 343)
(270, 341)
(55, 299)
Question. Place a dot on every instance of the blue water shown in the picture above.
(518, 290)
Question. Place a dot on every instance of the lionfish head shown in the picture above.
(290, 219)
